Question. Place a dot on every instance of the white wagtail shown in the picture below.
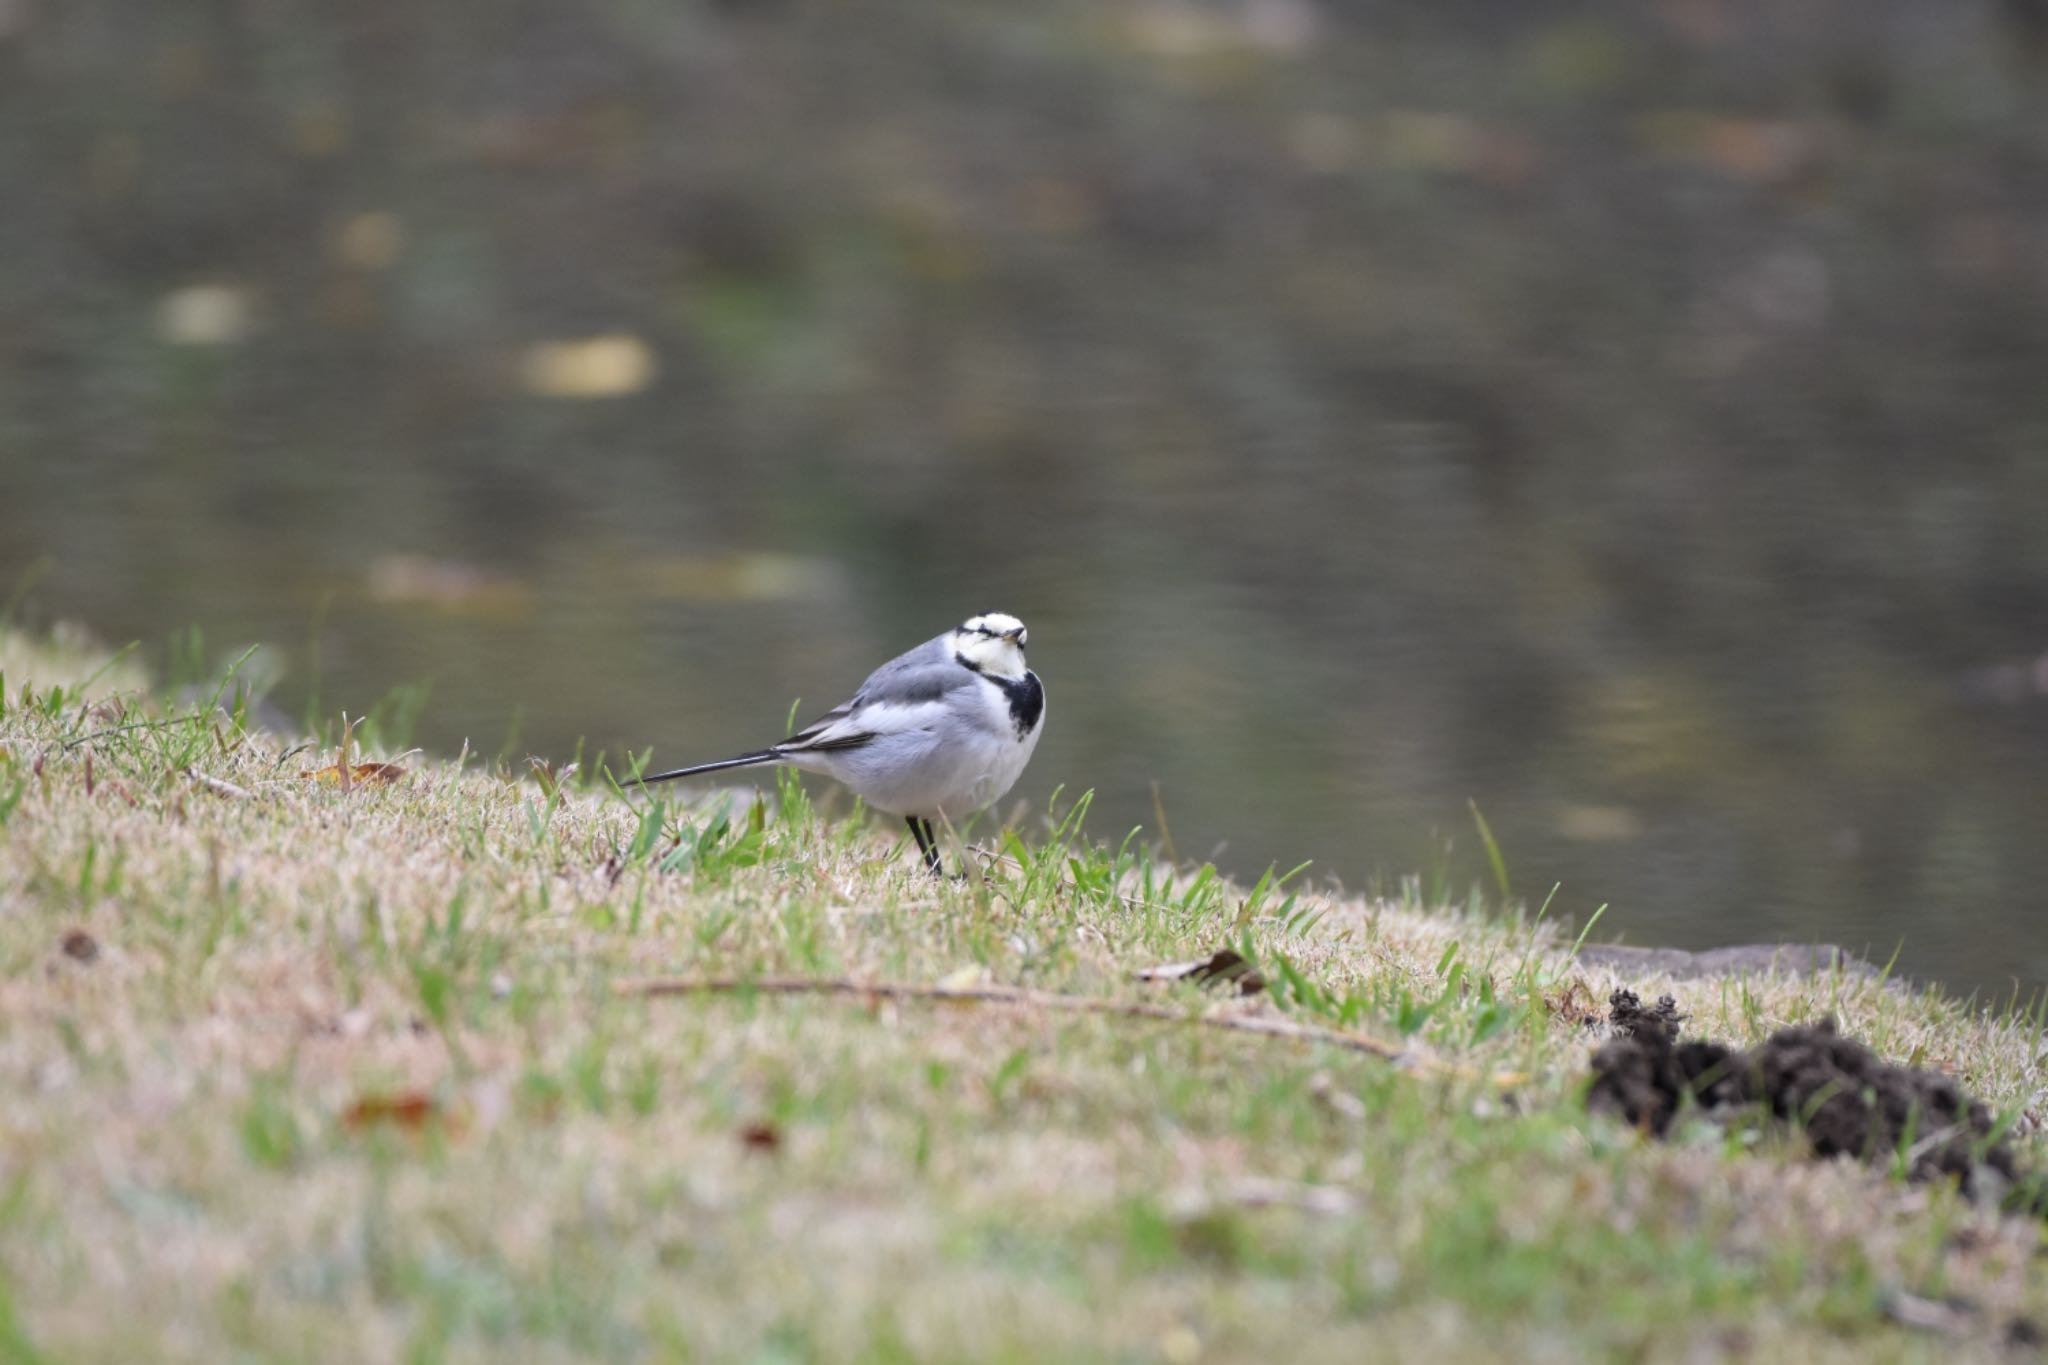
(934, 734)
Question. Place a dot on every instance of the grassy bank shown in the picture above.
(300, 1071)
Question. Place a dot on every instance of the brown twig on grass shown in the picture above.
(1016, 997)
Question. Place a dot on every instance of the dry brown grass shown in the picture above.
(311, 1074)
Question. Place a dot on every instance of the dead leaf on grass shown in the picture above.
(1574, 1004)
(411, 1110)
(363, 774)
(1222, 966)
(964, 979)
(345, 775)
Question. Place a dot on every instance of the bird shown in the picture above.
(936, 733)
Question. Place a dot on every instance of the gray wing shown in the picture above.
(900, 695)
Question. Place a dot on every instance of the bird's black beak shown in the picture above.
(1015, 637)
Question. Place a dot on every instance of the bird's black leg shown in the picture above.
(927, 843)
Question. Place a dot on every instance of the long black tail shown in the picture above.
(753, 760)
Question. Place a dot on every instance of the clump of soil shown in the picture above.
(1627, 1015)
(1847, 1099)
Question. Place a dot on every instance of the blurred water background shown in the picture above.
(1632, 417)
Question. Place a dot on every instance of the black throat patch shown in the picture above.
(1026, 695)
(1027, 701)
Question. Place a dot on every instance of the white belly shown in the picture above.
(948, 769)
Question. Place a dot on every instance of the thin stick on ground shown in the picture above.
(218, 787)
(1016, 997)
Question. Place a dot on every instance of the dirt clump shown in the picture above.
(1626, 1014)
(1847, 1099)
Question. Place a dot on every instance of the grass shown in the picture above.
(302, 1073)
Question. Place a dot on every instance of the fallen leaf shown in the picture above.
(411, 1110)
(607, 366)
(964, 978)
(449, 585)
(319, 129)
(1741, 148)
(370, 241)
(370, 774)
(1575, 1004)
(744, 577)
(1179, 1345)
(205, 315)
(1598, 824)
(1223, 965)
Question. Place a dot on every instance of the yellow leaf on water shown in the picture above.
(750, 576)
(205, 315)
(608, 366)
(320, 129)
(370, 241)
(1758, 150)
(447, 585)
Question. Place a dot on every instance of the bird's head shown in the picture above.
(992, 643)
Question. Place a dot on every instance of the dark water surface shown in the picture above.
(1634, 423)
